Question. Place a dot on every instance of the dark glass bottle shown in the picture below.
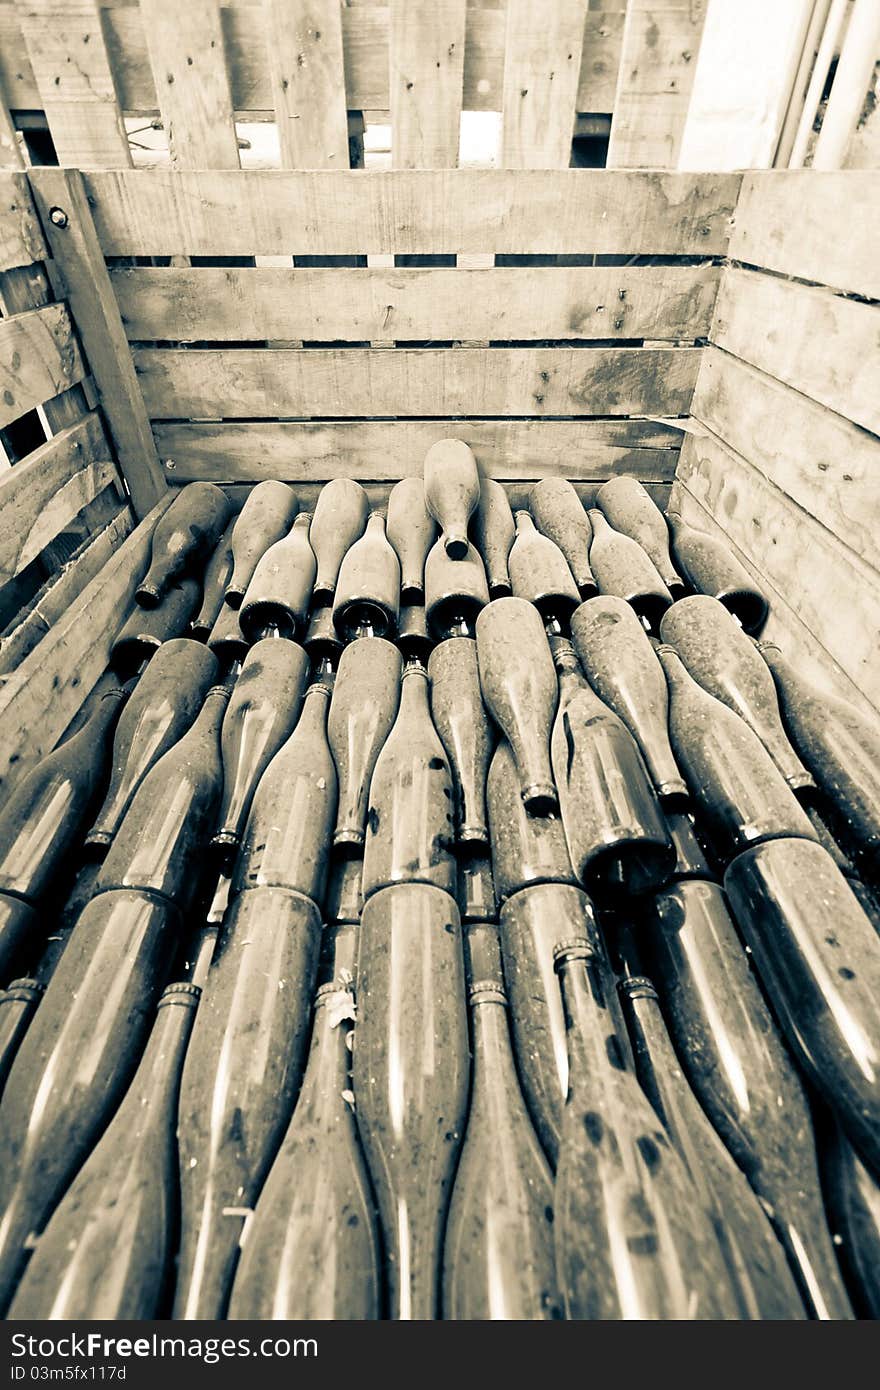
(17, 1005)
(452, 491)
(266, 516)
(712, 568)
(218, 573)
(145, 629)
(853, 1198)
(526, 849)
(367, 599)
(493, 531)
(623, 569)
(412, 531)
(184, 535)
(629, 507)
(341, 514)
(455, 592)
(280, 590)
(366, 696)
(558, 511)
(463, 725)
(539, 572)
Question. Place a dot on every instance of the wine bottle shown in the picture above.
(366, 696)
(323, 643)
(410, 1079)
(412, 531)
(498, 1250)
(266, 516)
(526, 849)
(227, 641)
(281, 586)
(630, 509)
(341, 514)
(712, 568)
(455, 592)
(344, 897)
(183, 536)
(263, 710)
(539, 572)
(519, 687)
(612, 821)
(475, 894)
(410, 825)
(17, 1005)
(107, 1251)
(312, 1249)
(741, 793)
(690, 852)
(723, 660)
(218, 573)
(558, 511)
(854, 1207)
(367, 599)
(452, 491)
(623, 569)
(413, 639)
(145, 629)
(622, 668)
(463, 725)
(493, 530)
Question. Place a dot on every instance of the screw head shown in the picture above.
(58, 217)
(170, 465)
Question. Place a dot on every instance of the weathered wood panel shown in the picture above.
(542, 61)
(304, 45)
(39, 357)
(186, 48)
(427, 69)
(21, 239)
(661, 41)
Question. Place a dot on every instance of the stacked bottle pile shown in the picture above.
(520, 910)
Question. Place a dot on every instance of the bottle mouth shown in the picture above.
(650, 608)
(674, 794)
(234, 597)
(412, 595)
(363, 618)
(266, 614)
(473, 836)
(147, 596)
(349, 837)
(748, 607)
(98, 839)
(540, 799)
(500, 590)
(456, 547)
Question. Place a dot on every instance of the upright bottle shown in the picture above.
(266, 516)
(366, 696)
(218, 573)
(281, 586)
(493, 530)
(412, 531)
(519, 687)
(145, 629)
(341, 514)
(312, 1248)
(622, 668)
(712, 568)
(539, 572)
(630, 509)
(455, 592)
(107, 1252)
(461, 720)
(498, 1250)
(854, 1204)
(367, 601)
(526, 849)
(452, 492)
(184, 535)
(18, 1003)
(623, 569)
(558, 512)
(323, 643)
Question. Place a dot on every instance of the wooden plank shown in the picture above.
(21, 240)
(65, 43)
(557, 302)
(28, 287)
(661, 40)
(78, 255)
(427, 70)
(186, 48)
(374, 449)
(10, 151)
(822, 462)
(39, 700)
(304, 44)
(39, 357)
(818, 342)
(279, 212)
(818, 226)
(542, 64)
(600, 59)
(834, 593)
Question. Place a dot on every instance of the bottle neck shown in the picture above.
(676, 672)
(593, 1044)
(414, 691)
(598, 521)
(524, 523)
(162, 1062)
(312, 722)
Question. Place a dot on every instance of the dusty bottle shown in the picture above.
(461, 720)
(853, 1198)
(44, 820)
(743, 796)
(263, 709)
(612, 820)
(631, 1241)
(455, 592)
(344, 899)
(712, 568)
(526, 849)
(227, 641)
(341, 514)
(498, 1249)
(312, 1248)
(840, 747)
(493, 531)
(691, 859)
(410, 1079)
(452, 492)
(367, 599)
(519, 687)
(366, 696)
(623, 569)
(17, 1005)
(266, 516)
(412, 531)
(630, 509)
(160, 709)
(108, 1249)
(558, 511)
(184, 535)
(281, 586)
(620, 665)
(723, 660)
(413, 638)
(477, 901)
(145, 629)
(818, 958)
(729, 1046)
(323, 643)
(539, 572)
(218, 573)
(410, 824)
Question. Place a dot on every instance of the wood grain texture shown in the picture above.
(21, 238)
(28, 287)
(816, 225)
(304, 44)
(600, 59)
(39, 357)
(10, 151)
(818, 342)
(417, 305)
(187, 54)
(658, 59)
(427, 69)
(276, 212)
(542, 63)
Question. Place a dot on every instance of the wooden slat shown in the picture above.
(77, 253)
(276, 212)
(822, 462)
(542, 66)
(556, 302)
(39, 700)
(304, 44)
(189, 68)
(28, 287)
(507, 449)
(10, 152)
(661, 40)
(39, 357)
(350, 382)
(834, 593)
(600, 59)
(21, 240)
(427, 68)
(818, 226)
(65, 43)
